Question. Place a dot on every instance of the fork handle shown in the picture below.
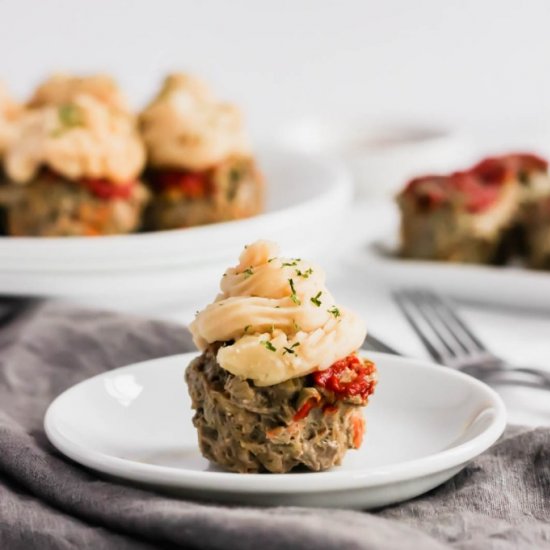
(521, 376)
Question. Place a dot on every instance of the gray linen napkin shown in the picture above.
(501, 500)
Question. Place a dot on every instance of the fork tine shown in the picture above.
(437, 325)
(445, 309)
(418, 324)
(441, 315)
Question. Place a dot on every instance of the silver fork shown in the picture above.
(451, 342)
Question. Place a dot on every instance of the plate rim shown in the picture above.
(308, 482)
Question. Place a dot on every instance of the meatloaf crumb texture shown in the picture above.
(64, 208)
(237, 191)
(244, 428)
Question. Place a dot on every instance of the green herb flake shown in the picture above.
(271, 260)
(293, 296)
(315, 299)
(304, 274)
(291, 348)
(70, 116)
(334, 311)
(296, 326)
(289, 264)
(248, 272)
(268, 345)
(246, 329)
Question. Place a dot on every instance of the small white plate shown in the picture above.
(424, 423)
(512, 285)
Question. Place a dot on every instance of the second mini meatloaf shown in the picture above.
(460, 217)
(486, 214)
(199, 168)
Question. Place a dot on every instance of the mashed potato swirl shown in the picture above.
(10, 111)
(60, 89)
(81, 139)
(186, 128)
(279, 315)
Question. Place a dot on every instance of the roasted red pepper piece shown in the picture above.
(194, 185)
(348, 377)
(106, 190)
(303, 411)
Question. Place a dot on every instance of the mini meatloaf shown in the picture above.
(279, 384)
(310, 421)
(199, 166)
(73, 170)
(10, 111)
(492, 212)
(458, 218)
(537, 233)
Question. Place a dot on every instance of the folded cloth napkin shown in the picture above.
(501, 500)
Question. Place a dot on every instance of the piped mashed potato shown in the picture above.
(277, 318)
(185, 127)
(9, 113)
(60, 89)
(81, 139)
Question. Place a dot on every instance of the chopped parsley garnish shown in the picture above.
(293, 296)
(334, 311)
(248, 272)
(315, 299)
(270, 260)
(246, 329)
(291, 348)
(296, 325)
(268, 345)
(305, 274)
(70, 116)
(290, 264)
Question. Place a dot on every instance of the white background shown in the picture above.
(482, 62)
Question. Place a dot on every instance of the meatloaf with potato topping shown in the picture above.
(310, 421)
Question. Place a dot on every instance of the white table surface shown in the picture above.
(522, 337)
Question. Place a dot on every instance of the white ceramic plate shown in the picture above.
(303, 192)
(507, 285)
(307, 198)
(425, 423)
